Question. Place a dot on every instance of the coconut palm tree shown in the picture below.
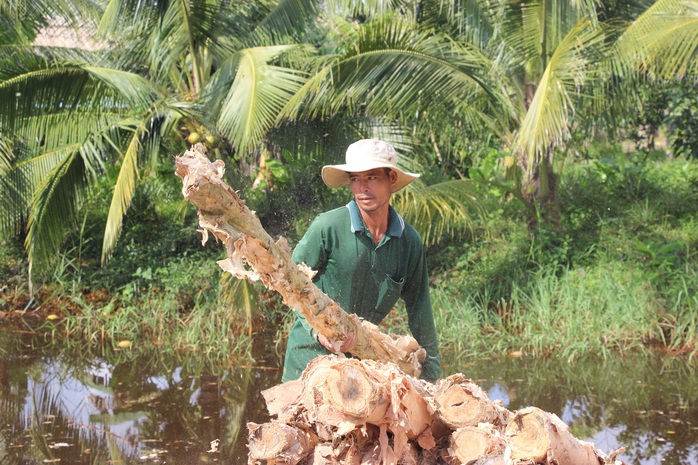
(175, 69)
(245, 76)
(554, 57)
(68, 114)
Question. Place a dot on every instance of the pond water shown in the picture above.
(67, 407)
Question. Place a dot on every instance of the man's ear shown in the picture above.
(392, 175)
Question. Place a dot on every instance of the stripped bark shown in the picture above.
(253, 254)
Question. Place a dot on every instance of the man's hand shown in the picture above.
(345, 347)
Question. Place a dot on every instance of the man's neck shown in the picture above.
(376, 222)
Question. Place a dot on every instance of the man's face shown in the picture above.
(372, 189)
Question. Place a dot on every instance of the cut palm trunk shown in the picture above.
(279, 442)
(253, 254)
(368, 412)
(344, 395)
(460, 402)
(472, 444)
(533, 434)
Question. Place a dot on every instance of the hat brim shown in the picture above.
(338, 175)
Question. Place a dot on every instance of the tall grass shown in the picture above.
(155, 323)
(620, 275)
(592, 311)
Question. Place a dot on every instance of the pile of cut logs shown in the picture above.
(371, 409)
(349, 411)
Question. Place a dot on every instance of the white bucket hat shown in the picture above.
(365, 155)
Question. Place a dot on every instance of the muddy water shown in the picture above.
(67, 407)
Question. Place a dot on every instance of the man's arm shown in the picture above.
(421, 318)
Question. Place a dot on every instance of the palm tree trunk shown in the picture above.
(540, 189)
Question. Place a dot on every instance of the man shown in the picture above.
(366, 257)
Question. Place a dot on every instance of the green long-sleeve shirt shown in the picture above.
(365, 279)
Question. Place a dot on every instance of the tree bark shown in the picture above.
(253, 254)
(539, 189)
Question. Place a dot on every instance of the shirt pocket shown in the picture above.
(388, 293)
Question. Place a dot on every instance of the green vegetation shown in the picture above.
(623, 276)
(544, 236)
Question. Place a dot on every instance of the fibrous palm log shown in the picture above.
(469, 444)
(540, 436)
(280, 442)
(460, 402)
(339, 396)
(253, 254)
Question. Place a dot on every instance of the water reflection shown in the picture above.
(647, 404)
(70, 408)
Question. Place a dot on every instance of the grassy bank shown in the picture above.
(619, 275)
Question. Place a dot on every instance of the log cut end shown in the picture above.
(474, 444)
(344, 393)
(541, 436)
(279, 442)
(460, 402)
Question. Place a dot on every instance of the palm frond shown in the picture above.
(53, 207)
(136, 90)
(547, 120)
(13, 201)
(662, 41)
(125, 14)
(241, 296)
(532, 30)
(391, 67)
(256, 96)
(21, 177)
(443, 209)
(52, 131)
(145, 138)
(471, 21)
(20, 21)
(5, 154)
(180, 43)
(123, 193)
(18, 59)
(286, 19)
(43, 95)
(40, 92)
(351, 9)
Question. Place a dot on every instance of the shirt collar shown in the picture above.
(396, 225)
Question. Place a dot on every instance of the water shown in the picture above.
(71, 408)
